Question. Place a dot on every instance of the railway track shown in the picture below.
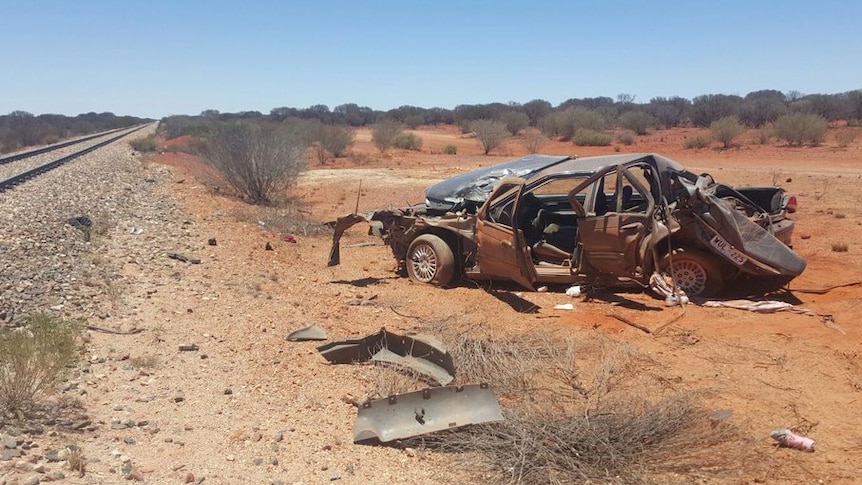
(29, 171)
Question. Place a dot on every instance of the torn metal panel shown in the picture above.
(422, 354)
(469, 190)
(418, 365)
(426, 411)
(311, 332)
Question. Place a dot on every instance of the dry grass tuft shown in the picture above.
(600, 418)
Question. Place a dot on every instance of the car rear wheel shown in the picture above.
(430, 260)
(695, 272)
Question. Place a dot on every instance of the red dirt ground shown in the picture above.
(772, 370)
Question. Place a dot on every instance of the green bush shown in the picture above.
(637, 121)
(626, 138)
(414, 121)
(726, 129)
(33, 358)
(801, 129)
(146, 144)
(699, 141)
(408, 141)
(590, 138)
(450, 150)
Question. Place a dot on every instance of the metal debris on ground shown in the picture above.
(311, 332)
(762, 306)
(421, 412)
(421, 354)
(184, 258)
(189, 348)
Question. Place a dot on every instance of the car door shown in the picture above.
(502, 251)
(611, 230)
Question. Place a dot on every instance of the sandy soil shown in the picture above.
(771, 370)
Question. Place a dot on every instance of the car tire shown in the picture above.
(696, 272)
(430, 260)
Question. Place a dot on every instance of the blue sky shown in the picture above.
(156, 58)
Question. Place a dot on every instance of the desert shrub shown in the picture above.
(383, 134)
(533, 141)
(450, 150)
(327, 140)
(763, 135)
(577, 420)
(801, 128)
(626, 138)
(257, 159)
(338, 139)
(845, 137)
(145, 144)
(726, 129)
(515, 121)
(408, 141)
(637, 121)
(584, 137)
(574, 119)
(33, 358)
(491, 134)
(699, 141)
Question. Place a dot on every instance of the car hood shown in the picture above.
(469, 190)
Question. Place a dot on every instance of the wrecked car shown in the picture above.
(606, 221)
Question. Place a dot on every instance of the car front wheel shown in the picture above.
(430, 260)
(695, 272)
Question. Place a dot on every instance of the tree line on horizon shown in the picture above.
(21, 129)
(755, 109)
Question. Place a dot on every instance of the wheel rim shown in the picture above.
(424, 263)
(690, 276)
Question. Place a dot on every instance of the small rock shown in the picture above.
(334, 476)
(179, 398)
(9, 454)
(268, 246)
(135, 476)
(31, 481)
(54, 476)
(278, 437)
(257, 460)
(228, 391)
(273, 461)
(40, 468)
(190, 477)
(189, 347)
(256, 436)
(410, 452)
(53, 456)
(9, 442)
(129, 440)
(230, 458)
(212, 241)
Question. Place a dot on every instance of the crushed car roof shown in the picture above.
(472, 188)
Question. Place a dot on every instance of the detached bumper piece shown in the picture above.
(421, 412)
(421, 354)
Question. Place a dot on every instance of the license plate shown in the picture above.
(724, 247)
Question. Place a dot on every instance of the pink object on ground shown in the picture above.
(288, 238)
(789, 439)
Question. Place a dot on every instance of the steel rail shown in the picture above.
(29, 174)
(56, 146)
